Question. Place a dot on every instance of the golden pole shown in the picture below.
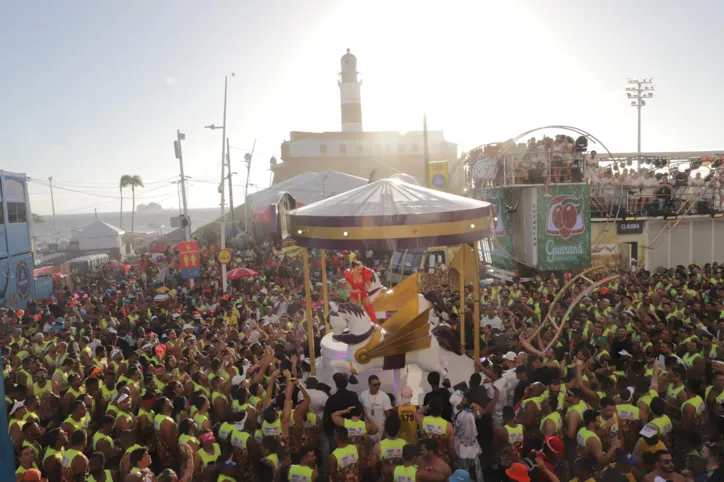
(325, 288)
(461, 288)
(308, 310)
(476, 301)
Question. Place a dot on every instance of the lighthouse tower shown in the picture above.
(349, 91)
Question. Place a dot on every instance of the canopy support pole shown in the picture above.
(325, 288)
(308, 312)
(461, 288)
(476, 304)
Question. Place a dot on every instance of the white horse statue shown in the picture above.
(352, 326)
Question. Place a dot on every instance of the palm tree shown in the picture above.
(125, 182)
(134, 182)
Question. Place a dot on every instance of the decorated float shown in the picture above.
(387, 215)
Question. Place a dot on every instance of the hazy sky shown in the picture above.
(92, 90)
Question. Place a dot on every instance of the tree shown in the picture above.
(134, 182)
(125, 182)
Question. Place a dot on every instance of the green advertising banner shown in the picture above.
(501, 198)
(564, 227)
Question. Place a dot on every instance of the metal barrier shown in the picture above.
(609, 197)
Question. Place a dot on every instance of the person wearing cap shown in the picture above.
(210, 450)
(518, 472)
(242, 443)
(16, 422)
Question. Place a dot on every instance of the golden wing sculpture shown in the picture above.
(413, 336)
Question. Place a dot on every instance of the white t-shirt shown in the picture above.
(376, 405)
(502, 385)
(317, 402)
(273, 319)
(512, 382)
(494, 322)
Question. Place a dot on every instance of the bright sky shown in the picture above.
(94, 90)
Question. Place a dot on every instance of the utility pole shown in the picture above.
(52, 203)
(185, 221)
(221, 187)
(247, 209)
(231, 191)
(224, 281)
(638, 91)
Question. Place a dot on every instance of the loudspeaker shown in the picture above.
(535, 176)
(702, 207)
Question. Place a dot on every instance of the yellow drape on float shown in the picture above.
(325, 288)
(308, 312)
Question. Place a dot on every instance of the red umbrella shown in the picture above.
(113, 265)
(159, 248)
(238, 273)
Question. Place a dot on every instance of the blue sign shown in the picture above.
(439, 181)
(191, 273)
(22, 279)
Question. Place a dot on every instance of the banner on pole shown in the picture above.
(502, 247)
(564, 227)
(438, 175)
(190, 264)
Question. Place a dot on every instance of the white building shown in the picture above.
(359, 153)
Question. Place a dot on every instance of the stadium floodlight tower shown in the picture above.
(638, 91)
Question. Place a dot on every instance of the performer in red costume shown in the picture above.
(358, 278)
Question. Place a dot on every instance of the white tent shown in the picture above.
(99, 236)
(307, 188)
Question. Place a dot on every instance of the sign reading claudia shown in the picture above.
(630, 227)
(564, 228)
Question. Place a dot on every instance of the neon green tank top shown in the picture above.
(434, 425)
(109, 477)
(405, 474)
(101, 436)
(300, 473)
(346, 456)
(391, 449)
(207, 458)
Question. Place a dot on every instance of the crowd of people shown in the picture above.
(105, 383)
(637, 187)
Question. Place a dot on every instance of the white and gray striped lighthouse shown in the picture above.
(349, 91)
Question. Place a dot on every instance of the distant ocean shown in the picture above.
(145, 221)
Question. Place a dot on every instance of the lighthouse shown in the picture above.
(349, 92)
